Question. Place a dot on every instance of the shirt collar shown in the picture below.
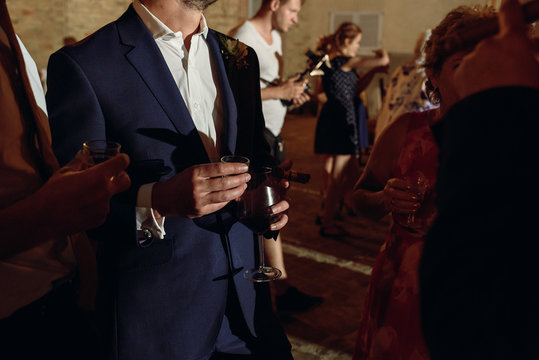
(157, 28)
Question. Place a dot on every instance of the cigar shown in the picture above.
(291, 175)
(479, 32)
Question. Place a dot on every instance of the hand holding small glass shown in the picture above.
(200, 189)
(404, 196)
(100, 150)
(419, 185)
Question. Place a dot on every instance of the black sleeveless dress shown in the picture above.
(342, 124)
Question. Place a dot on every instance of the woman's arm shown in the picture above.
(373, 191)
(366, 79)
(357, 62)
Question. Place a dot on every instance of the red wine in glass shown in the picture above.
(260, 223)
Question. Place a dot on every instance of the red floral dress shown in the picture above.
(390, 323)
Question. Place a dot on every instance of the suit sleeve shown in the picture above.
(74, 112)
(479, 266)
(75, 116)
(257, 144)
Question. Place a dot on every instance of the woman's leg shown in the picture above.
(351, 175)
(326, 174)
(334, 190)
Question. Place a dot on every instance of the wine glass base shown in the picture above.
(265, 274)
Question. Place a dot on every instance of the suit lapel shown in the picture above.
(229, 105)
(146, 58)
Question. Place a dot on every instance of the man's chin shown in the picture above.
(198, 4)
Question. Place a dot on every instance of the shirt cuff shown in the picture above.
(146, 219)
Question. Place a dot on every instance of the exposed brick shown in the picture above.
(43, 24)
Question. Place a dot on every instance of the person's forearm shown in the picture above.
(24, 225)
(369, 203)
(159, 197)
(274, 255)
(371, 62)
(271, 92)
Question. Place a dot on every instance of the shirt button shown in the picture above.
(196, 106)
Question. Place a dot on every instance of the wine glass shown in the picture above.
(100, 150)
(254, 207)
(418, 187)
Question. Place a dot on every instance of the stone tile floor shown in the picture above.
(336, 269)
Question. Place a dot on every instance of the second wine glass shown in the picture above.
(263, 191)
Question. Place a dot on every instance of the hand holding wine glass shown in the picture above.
(260, 209)
(404, 196)
(419, 185)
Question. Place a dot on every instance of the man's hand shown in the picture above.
(399, 197)
(383, 56)
(506, 59)
(200, 190)
(77, 198)
(280, 208)
(74, 199)
(294, 90)
(283, 205)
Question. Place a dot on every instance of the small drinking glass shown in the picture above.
(418, 187)
(100, 150)
(235, 159)
(227, 225)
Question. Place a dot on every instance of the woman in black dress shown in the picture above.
(341, 131)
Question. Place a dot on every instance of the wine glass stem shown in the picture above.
(261, 252)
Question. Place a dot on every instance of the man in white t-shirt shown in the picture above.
(261, 32)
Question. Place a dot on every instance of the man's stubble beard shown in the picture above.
(197, 4)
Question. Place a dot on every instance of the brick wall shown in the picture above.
(43, 24)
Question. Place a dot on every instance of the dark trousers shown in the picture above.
(276, 144)
(52, 327)
(235, 341)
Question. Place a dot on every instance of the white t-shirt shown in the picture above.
(274, 111)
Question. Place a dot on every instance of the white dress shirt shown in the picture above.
(196, 80)
(193, 74)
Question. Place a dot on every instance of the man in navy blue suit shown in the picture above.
(177, 96)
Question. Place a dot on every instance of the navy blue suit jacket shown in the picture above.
(165, 300)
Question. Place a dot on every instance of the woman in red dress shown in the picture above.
(399, 179)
